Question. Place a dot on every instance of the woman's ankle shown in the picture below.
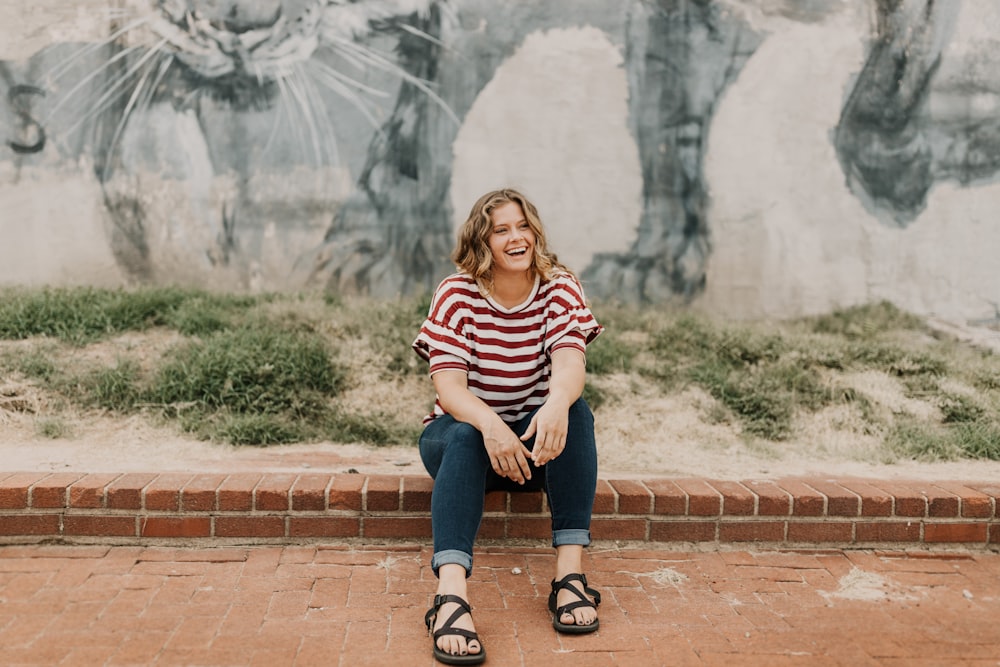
(452, 580)
(569, 559)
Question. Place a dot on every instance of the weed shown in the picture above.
(197, 317)
(52, 427)
(114, 388)
(608, 354)
(373, 429)
(760, 376)
(964, 439)
(978, 439)
(253, 429)
(865, 321)
(80, 315)
(928, 442)
(756, 398)
(959, 409)
(391, 328)
(36, 364)
(987, 375)
(258, 369)
(594, 395)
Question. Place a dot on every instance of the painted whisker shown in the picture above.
(56, 72)
(371, 57)
(136, 101)
(307, 114)
(326, 125)
(90, 77)
(327, 76)
(108, 97)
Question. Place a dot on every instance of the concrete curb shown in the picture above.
(289, 508)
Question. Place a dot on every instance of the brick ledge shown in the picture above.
(284, 508)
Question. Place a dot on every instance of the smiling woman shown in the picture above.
(506, 340)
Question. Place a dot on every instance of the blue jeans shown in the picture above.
(455, 456)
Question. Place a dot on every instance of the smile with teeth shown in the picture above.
(517, 252)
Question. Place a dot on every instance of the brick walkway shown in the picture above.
(347, 605)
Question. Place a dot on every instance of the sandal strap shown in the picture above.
(446, 627)
(464, 607)
(582, 578)
(568, 608)
(446, 630)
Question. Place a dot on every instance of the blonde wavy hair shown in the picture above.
(472, 253)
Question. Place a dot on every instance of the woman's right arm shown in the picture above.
(508, 455)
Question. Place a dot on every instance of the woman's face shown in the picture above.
(512, 242)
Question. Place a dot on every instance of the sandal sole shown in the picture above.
(449, 659)
(573, 629)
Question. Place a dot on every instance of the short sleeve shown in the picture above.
(570, 323)
(441, 340)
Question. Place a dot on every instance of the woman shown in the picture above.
(506, 340)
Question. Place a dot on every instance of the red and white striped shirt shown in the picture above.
(505, 352)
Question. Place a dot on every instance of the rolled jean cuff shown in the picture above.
(452, 557)
(570, 536)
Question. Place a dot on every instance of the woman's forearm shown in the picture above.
(569, 369)
(456, 399)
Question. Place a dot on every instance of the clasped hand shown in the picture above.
(508, 455)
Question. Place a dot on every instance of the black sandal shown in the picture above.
(573, 628)
(463, 608)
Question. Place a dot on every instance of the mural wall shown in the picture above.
(748, 157)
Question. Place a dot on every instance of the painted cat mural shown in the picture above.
(226, 133)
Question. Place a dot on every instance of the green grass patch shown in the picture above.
(272, 369)
(766, 373)
(865, 321)
(36, 364)
(763, 377)
(80, 315)
(608, 353)
(390, 328)
(376, 428)
(115, 388)
(261, 369)
(250, 429)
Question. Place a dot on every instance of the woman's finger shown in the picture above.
(530, 431)
(498, 466)
(554, 445)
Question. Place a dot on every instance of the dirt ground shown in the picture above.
(642, 436)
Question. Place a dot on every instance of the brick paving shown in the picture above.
(330, 604)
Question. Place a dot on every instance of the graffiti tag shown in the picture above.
(32, 134)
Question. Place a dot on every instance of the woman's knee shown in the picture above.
(464, 440)
(464, 434)
(447, 437)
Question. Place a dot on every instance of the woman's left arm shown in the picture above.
(550, 423)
